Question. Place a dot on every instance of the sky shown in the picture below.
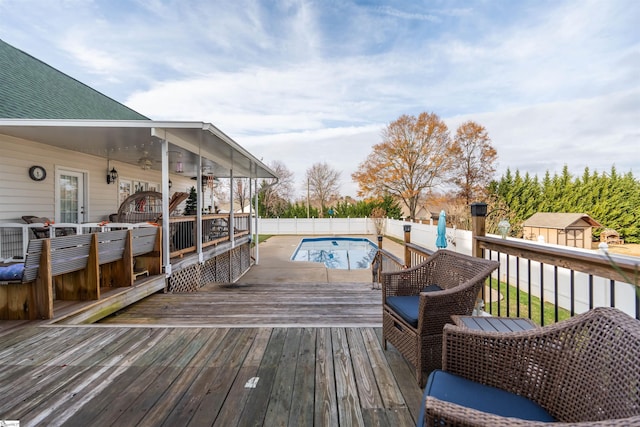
(554, 82)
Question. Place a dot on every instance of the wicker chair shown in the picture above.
(146, 206)
(43, 232)
(581, 371)
(415, 309)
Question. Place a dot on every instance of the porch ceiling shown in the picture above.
(137, 141)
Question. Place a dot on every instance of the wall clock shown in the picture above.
(37, 173)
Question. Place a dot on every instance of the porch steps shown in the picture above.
(351, 304)
(111, 303)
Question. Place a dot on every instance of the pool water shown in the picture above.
(345, 253)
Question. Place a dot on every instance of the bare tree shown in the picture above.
(410, 161)
(241, 192)
(275, 196)
(323, 183)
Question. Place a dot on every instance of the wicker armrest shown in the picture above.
(436, 307)
(439, 413)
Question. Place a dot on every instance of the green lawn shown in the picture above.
(261, 238)
(549, 308)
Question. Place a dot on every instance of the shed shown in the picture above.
(569, 229)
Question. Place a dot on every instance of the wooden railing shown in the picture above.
(14, 237)
(546, 283)
(568, 281)
(215, 229)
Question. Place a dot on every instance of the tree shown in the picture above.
(240, 192)
(364, 208)
(410, 161)
(610, 198)
(322, 183)
(191, 206)
(473, 161)
(274, 198)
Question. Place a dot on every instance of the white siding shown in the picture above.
(20, 195)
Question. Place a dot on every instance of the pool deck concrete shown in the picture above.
(274, 264)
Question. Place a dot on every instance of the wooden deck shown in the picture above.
(258, 305)
(240, 355)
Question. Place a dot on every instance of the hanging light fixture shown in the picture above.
(179, 167)
(112, 175)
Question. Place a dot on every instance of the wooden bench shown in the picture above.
(76, 267)
(147, 250)
(29, 298)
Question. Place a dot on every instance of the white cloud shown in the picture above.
(596, 132)
(302, 81)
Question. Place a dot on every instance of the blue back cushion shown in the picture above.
(431, 288)
(407, 306)
(461, 391)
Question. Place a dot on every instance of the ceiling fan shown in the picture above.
(208, 178)
(145, 162)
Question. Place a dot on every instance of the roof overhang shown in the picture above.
(129, 141)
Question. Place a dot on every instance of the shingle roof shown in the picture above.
(558, 220)
(31, 89)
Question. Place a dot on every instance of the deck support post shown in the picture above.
(478, 221)
(478, 224)
(407, 239)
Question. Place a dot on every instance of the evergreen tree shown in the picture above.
(611, 199)
(191, 206)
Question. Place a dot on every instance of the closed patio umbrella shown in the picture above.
(441, 239)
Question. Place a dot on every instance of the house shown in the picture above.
(568, 229)
(72, 154)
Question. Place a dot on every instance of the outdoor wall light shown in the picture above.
(112, 175)
(170, 184)
(478, 209)
(503, 228)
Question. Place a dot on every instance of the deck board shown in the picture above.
(315, 364)
(238, 393)
(184, 376)
(302, 400)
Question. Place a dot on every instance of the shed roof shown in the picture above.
(31, 89)
(559, 220)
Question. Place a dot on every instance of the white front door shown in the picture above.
(70, 197)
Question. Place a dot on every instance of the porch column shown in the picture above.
(231, 209)
(254, 229)
(198, 224)
(166, 255)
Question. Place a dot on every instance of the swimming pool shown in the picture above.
(345, 253)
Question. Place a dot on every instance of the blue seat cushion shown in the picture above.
(407, 306)
(461, 391)
(12, 272)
